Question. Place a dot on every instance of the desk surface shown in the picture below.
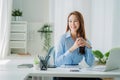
(60, 72)
(9, 71)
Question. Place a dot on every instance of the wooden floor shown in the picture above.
(107, 79)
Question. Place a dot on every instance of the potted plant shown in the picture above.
(36, 63)
(46, 31)
(17, 14)
(102, 58)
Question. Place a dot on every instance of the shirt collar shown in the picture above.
(68, 34)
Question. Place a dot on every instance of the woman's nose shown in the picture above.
(73, 23)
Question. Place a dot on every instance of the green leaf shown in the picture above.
(107, 54)
(98, 54)
(36, 60)
(16, 12)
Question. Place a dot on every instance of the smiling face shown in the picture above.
(73, 23)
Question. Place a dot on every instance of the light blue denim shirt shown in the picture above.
(63, 56)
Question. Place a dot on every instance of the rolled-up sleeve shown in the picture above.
(89, 57)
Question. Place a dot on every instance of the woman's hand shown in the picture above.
(80, 42)
(83, 43)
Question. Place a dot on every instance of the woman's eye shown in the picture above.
(76, 21)
(70, 21)
(73, 21)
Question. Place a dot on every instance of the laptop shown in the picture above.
(112, 63)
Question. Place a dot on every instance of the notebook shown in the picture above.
(112, 62)
(25, 66)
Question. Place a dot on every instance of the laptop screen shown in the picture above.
(113, 59)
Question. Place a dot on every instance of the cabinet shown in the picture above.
(18, 37)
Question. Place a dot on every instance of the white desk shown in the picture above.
(9, 71)
(12, 75)
(66, 73)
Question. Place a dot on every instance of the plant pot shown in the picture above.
(13, 18)
(99, 63)
(18, 18)
(36, 66)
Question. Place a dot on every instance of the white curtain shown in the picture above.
(101, 20)
(5, 13)
(116, 24)
(105, 24)
(102, 24)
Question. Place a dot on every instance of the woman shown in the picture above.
(73, 46)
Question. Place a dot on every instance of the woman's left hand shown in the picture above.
(83, 42)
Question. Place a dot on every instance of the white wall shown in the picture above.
(36, 13)
(33, 10)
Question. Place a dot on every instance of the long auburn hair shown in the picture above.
(81, 30)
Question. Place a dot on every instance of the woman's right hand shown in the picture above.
(76, 44)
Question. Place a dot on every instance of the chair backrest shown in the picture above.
(51, 61)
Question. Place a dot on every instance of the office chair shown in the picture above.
(51, 61)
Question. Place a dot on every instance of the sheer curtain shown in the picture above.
(116, 24)
(5, 13)
(101, 20)
(105, 24)
(102, 24)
